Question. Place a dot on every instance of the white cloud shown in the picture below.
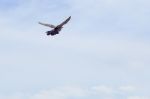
(68, 92)
(102, 90)
(54, 93)
(137, 97)
(13, 96)
(127, 88)
(61, 93)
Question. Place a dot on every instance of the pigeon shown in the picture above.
(55, 29)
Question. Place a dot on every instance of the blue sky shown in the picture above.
(102, 53)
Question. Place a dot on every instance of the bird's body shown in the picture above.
(52, 32)
(56, 29)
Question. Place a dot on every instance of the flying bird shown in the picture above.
(55, 29)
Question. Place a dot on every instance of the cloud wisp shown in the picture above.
(68, 92)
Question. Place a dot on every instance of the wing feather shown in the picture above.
(48, 25)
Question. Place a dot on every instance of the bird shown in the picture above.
(55, 29)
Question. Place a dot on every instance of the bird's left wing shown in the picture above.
(48, 25)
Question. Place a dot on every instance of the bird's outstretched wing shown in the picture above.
(48, 25)
(66, 21)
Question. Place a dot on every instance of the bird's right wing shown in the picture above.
(65, 22)
(48, 25)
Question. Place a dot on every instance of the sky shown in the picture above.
(102, 53)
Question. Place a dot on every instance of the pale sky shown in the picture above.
(102, 53)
